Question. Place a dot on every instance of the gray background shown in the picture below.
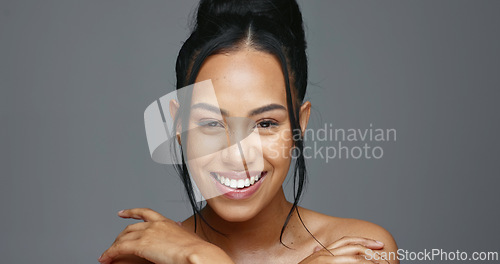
(76, 76)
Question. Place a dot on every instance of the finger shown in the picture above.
(123, 248)
(358, 259)
(133, 228)
(352, 249)
(136, 227)
(128, 236)
(369, 243)
(144, 214)
(345, 254)
(376, 256)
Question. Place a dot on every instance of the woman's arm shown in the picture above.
(376, 232)
(161, 241)
(364, 242)
(207, 255)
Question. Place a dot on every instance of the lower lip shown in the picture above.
(239, 194)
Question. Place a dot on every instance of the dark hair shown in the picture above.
(272, 26)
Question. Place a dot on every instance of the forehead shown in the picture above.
(242, 80)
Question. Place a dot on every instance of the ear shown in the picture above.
(173, 108)
(304, 113)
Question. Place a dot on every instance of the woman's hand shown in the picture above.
(162, 241)
(347, 250)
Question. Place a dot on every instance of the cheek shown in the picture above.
(277, 150)
(202, 145)
(198, 156)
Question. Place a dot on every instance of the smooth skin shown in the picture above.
(246, 80)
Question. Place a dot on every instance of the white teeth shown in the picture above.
(237, 184)
(233, 183)
(241, 183)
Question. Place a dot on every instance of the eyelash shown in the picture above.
(213, 123)
(271, 124)
(210, 123)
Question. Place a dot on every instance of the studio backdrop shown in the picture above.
(413, 87)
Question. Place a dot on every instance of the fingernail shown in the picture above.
(102, 259)
(121, 211)
(179, 223)
(317, 248)
(379, 242)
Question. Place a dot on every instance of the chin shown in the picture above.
(233, 212)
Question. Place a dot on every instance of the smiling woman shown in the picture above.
(253, 55)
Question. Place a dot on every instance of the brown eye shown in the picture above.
(267, 124)
(210, 124)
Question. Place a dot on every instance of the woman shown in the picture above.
(253, 54)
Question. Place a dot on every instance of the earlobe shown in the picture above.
(173, 108)
(305, 112)
(178, 136)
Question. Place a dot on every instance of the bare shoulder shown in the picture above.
(332, 228)
(356, 227)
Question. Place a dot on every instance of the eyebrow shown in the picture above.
(254, 112)
(266, 108)
(210, 108)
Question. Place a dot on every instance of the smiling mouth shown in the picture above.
(238, 183)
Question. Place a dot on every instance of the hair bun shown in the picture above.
(284, 12)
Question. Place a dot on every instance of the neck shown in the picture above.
(259, 233)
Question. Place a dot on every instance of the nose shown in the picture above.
(243, 150)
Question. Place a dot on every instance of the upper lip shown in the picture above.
(238, 175)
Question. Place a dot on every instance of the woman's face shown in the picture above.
(239, 139)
